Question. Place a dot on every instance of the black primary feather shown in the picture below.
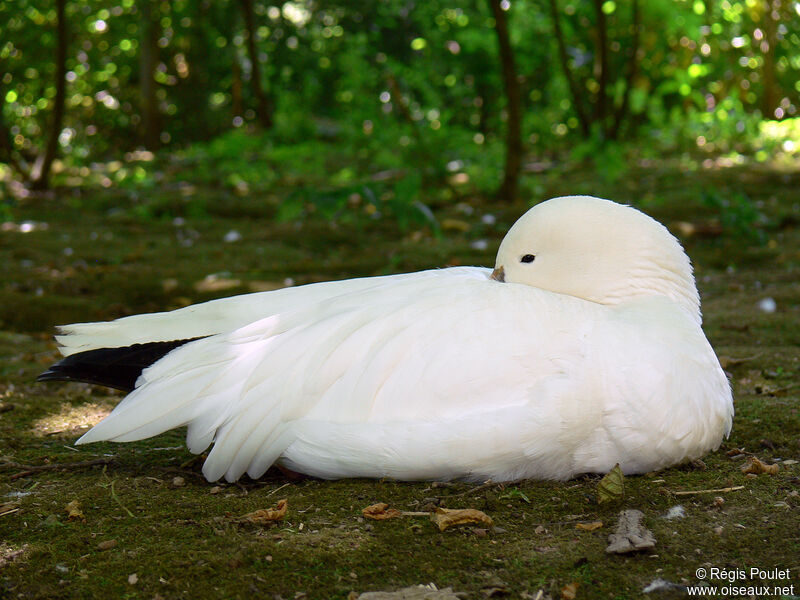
(117, 368)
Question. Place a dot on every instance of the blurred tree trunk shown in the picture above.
(513, 167)
(769, 100)
(40, 174)
(577, 99)
(622, 111)
(147, 67)
(236, 88)
(601, 64)
(263, 107)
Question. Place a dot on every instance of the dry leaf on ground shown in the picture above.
(445, 518)
(74, 511)
(611, 486)
(753, 465)
(266, 516)
(589, 526)
(630, 535)
(570, 591)
(380, 512)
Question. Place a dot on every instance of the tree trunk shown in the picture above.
(513, 167)
(148, 51)
(601, 65)
(263, 107)
(577, 102)
(236, 88)
(40, 175)
(622, 110)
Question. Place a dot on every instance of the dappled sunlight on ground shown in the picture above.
(72, 419)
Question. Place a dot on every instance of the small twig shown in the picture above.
(118, 501)
(30, 469)
(480, 488)
(278, 488)
(716, 491)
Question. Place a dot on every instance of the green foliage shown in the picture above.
(394, 86)
(738, 215)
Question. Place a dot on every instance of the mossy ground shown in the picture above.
(101, 256)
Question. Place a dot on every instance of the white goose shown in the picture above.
(582, 349)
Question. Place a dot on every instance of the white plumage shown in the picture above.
(589, 354)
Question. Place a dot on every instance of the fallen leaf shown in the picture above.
(74, 511)
(611, 487)
(569, 591)
(630, 535)
(266, 515)
(755, 466)
(445, 518)
(380, 512)
(589, 526)
(106, 544)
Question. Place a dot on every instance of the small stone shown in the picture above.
(767, 305)
(178, 482)
(133, 579)
(232, 236)
(718, 530)
(215, 490)
(631, 535)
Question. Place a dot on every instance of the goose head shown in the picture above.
(596, 250)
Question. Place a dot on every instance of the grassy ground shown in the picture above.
(146, 534)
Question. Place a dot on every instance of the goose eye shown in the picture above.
(528, 258)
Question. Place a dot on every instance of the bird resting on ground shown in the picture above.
(582, 349)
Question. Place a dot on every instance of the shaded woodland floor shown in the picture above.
(152, 527)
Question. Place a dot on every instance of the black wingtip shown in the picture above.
(117, 368)
(51, 375)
